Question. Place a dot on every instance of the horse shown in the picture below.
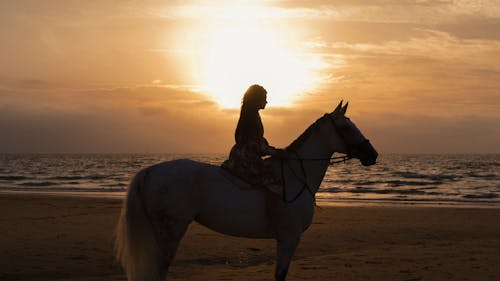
(163, 199)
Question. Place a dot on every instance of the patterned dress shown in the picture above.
(245, 160)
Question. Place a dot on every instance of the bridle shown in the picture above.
(332, 160)
(304, 180)
(350, 146)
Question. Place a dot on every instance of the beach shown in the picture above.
(70, 237)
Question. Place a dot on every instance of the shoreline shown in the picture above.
(44, 237)
(120, 195)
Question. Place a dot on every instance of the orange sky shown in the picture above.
(166, 76)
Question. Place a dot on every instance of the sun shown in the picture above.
(238, 53)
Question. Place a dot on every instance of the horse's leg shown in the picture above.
(285, 249)
(170, 231)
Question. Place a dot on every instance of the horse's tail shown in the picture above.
(136, 246)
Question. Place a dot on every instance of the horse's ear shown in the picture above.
(338, 108)
(344, 109)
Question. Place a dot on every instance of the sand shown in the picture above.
(45, 237)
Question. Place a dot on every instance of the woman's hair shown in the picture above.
(253, 97)
(249, 124)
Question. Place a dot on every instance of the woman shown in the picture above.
(245, 159)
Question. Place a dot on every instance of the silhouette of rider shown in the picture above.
(245, 159)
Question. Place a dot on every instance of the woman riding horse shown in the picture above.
(245, 160)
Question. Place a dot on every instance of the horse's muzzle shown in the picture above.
(366, 153)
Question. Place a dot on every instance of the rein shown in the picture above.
(303, 181)
(333, 160)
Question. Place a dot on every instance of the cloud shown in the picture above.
(26, 84)
(404, 11)
(108, 77)
(423, 133)
(155, 119)
(434, 71)
(433, 44)
(142, 119)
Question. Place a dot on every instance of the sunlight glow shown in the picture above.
(240, 51)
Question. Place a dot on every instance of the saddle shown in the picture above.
(243, 185)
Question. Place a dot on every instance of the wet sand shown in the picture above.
(44, 237)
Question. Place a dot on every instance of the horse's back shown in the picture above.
(199, 190)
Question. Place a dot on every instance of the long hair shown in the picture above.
(249, 124)
(253, 97)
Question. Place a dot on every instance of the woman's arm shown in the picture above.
(267, 149)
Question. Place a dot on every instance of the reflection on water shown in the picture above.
(407, 178)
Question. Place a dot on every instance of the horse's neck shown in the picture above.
(315, 148)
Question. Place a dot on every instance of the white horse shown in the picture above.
(164, 199)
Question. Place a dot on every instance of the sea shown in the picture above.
(420, 179)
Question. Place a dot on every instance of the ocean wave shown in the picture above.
(355, 182)
(121, 179)
(64, 189)
(89, 177)
(412, 191)
(72, 182)
(63, 178)
(482, 176)
(119, 184)
(481, 196)
(41, 183)
(13, 178)
(98, 177)
(414, 200)
(396, 183)
(366, 182)
(458, 178)
(392, 183)
(438, 177)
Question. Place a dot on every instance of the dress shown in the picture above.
(245, 159)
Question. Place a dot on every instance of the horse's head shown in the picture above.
(352, 141)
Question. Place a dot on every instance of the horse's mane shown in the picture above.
(304, 136)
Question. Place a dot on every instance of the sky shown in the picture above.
(168, 76)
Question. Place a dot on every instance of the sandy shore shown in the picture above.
(70, 238)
